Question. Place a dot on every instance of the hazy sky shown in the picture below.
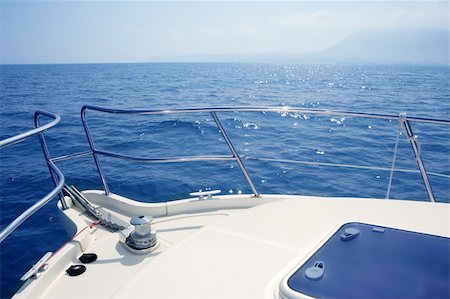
(71, 32)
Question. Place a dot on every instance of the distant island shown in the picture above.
(421, 46)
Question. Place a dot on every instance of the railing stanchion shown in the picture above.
(94, 152)
(401, 117)
(413, 140)
(235, 154)
(46, 152)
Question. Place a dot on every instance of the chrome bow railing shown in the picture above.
(404, 123)
(57, 176)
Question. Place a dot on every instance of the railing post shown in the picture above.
(46, 152)
(401, 117)
(235, 154)
(413, 140)
(94, 152)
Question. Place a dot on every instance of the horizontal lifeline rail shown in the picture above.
(262, 109)
(403, 123)
(57, 176)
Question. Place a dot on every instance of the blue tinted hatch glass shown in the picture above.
(366, 261)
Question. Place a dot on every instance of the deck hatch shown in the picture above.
(380, 263)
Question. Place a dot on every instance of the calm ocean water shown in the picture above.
(63, 89)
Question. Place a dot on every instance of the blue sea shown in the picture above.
(277, 139)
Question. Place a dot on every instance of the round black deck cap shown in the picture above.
(87, 258)
(76, 270)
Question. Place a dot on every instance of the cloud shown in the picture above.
(304, 19)
(405, 14)
(247, 29)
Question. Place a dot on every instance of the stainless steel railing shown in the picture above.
(404, 122)
(38, 130)
(96, 152)
(57, 176)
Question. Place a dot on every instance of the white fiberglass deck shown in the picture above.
(227, 247)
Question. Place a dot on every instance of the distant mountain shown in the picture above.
(426, 46)
(400, 45)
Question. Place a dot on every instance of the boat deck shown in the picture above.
(227, 247)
